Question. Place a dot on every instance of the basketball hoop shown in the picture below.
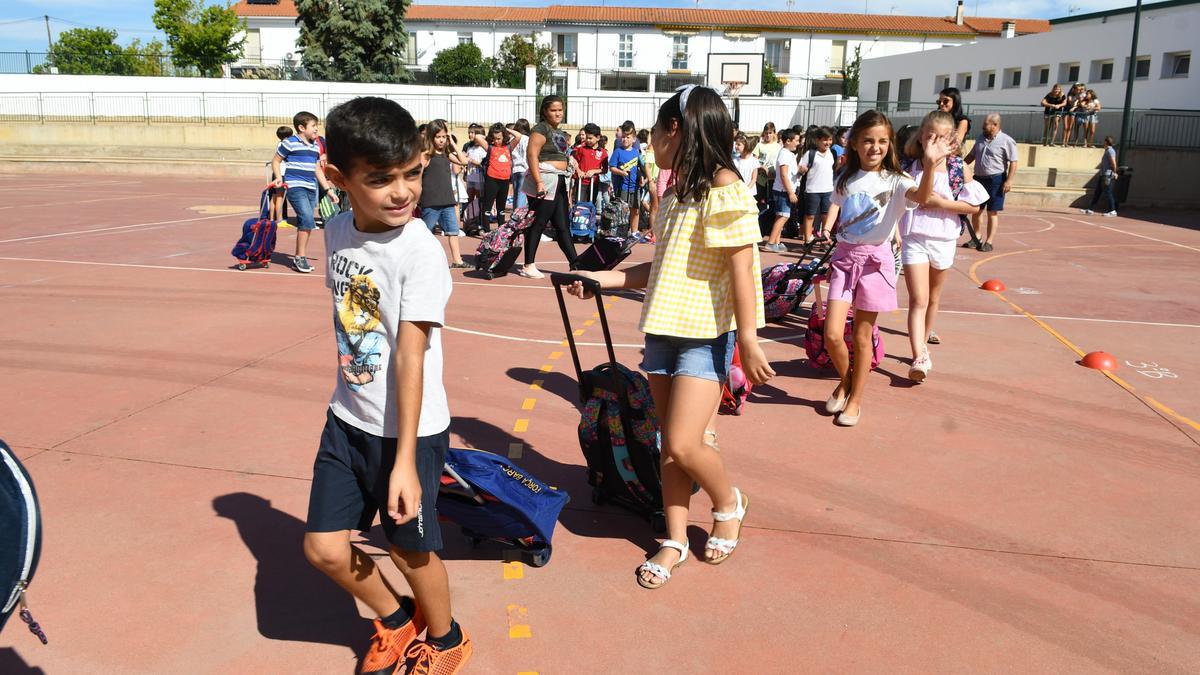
(733, 88)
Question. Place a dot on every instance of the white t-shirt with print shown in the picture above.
(377, 281)
(786, 161)
(820, 174)
(871, 206)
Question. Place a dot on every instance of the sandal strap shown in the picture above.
(737, 514)
(678, 546)
(655, 569)
(722, 546)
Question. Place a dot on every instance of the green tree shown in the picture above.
(771, 84)
(200, 36)
(147, 59)
(853, 67)
(515, 53)
(461, 66)
(88, 51)
(354, 40)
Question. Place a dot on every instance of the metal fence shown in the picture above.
(1151, 128)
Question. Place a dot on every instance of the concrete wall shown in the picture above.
(1088, 44)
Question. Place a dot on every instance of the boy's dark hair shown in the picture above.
(522, 125)
(820, 133)
(705, 130)
(283, 132)
(303, 119)
(627, 127)
(1108, 140)
(644, 136)
(370, 130)
(787, 135)
(591, 129)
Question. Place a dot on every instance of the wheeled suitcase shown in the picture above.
(499, 249)
(20, 539)
(786, 285)
(257, 242)
(606, 253)
(583, 218)
(618, 430)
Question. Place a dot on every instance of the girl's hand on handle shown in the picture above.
(754, 363)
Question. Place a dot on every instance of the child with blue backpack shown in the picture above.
(870, 198)
(703, 296)
(387, 426)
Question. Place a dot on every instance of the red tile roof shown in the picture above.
(686, 18)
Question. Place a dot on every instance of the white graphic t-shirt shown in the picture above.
(785, 161)
(377, 281)
(871, 206)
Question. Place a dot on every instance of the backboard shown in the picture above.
(742, 67)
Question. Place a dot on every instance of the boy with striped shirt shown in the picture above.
(302, 175)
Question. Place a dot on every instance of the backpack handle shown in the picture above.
(560, 279)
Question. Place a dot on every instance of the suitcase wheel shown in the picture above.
(537, 558)
(241, 266)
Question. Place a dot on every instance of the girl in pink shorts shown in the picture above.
(872, 194)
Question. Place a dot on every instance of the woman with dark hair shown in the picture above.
(703, 296)
(950, 101)
(1052, 104)
(546, 184)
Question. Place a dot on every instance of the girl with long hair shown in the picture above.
(703, 296)
(438, 205)
(547, 184)
(950, 101)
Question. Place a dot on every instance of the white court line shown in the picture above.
(117, 227)
(88, 201)
(1132, 234)
(66, 186)
(290, 275)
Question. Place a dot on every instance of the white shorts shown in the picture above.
(918, 250)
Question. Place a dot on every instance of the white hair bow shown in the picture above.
(686, 90)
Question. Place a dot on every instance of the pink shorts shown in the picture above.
(864, 276)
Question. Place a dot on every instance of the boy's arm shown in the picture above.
(330, 191)
(408, 361)
(276, 161)
(787, 184)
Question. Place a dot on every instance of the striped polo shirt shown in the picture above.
(301, 157)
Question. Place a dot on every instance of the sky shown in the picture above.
(23, 29)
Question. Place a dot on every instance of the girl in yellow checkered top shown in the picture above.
(703, 294)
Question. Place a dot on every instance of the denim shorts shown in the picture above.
(304, 202)
(779, 200)
(816, 203)
(444, 216)
(674, 356)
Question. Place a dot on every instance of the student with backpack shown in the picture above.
(387, 426)
(816, 168)
(303, 175)
(703, 296)
(626, 166)
(498, 169)
(870, 197)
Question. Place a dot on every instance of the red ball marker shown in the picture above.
(994, 285)
(1099, 361)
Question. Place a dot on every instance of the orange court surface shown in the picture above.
(1017, 512)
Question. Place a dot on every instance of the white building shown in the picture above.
(1090, 48)
(654, 49)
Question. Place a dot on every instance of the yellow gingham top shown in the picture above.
(690, 292)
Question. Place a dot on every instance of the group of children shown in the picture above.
(387, 425)
(1077, 111)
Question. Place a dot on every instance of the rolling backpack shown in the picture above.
(606, 252)
(814, 337)
(583, 218)
(618, 429)
(498, 250)
(258, 237)
(20, 539)
(614, 219)
(786, 285)
(491, 498)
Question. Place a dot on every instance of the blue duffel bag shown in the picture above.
(20, 538)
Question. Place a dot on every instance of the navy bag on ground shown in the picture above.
(20, 538)
(606, 252)
(491, 498)
(258, 237)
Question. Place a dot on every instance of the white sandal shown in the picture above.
(712, 443)
(725, 547)
(658, 570)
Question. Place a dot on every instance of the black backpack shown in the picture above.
(20, 538)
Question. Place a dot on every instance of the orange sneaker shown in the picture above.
(423, 659)
(389, 645)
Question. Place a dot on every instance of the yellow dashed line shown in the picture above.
(546, 368)
(536, 385)
(521, 426)
(516, 450)
(554, 356)
(517, 623)
(528, 404)
(578, 332)
(589, 322)
(528, 672)
(513, 570)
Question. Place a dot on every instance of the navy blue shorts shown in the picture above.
(816, 203)
(350, 484)
(995, 189)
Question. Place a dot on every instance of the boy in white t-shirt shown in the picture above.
(387, 426)
(783, 192)
(817, 166)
